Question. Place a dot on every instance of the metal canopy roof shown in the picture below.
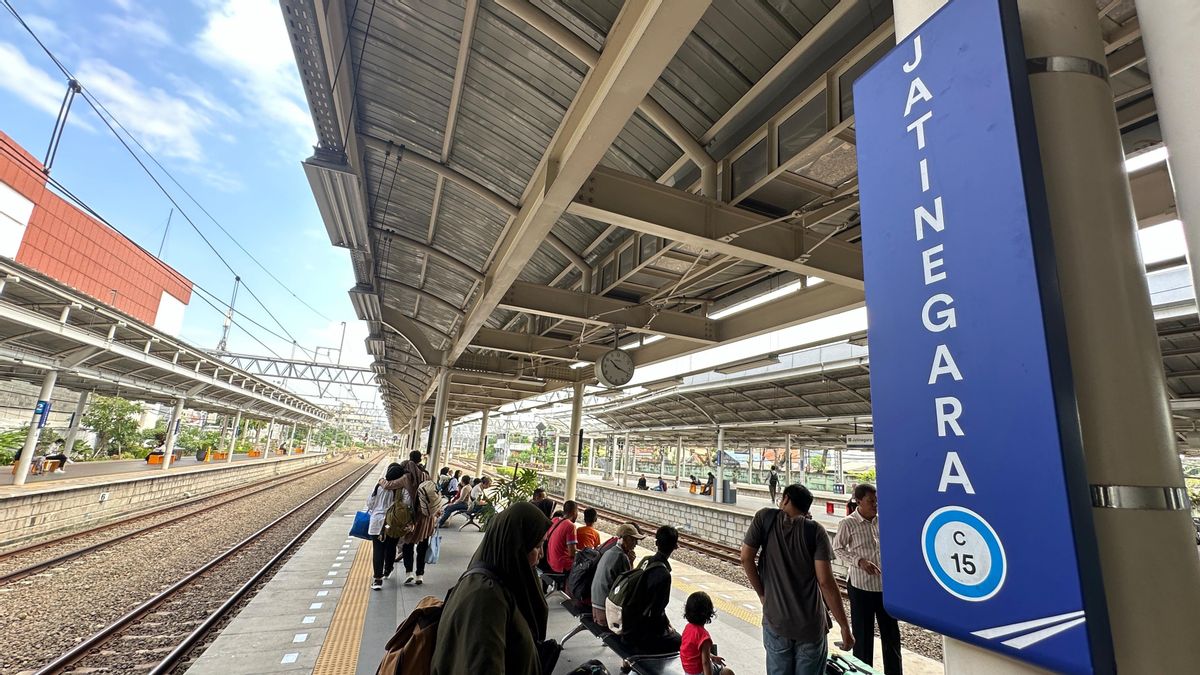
(438, 120)
(44, 325)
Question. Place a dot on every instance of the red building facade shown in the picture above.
(43, 231)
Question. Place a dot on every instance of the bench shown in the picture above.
(643, 664)
(553, 582)
(254, 453)
(39, 468)
(158, 459)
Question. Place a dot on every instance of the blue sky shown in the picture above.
(211, 88)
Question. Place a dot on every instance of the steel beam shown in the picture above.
(642, 41)
(642, 205)
(408, 330)
(537, 345)
(599, 310)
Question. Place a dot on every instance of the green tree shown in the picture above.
(115, 422)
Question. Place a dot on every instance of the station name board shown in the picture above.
(989, 537)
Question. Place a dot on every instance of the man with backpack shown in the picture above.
(794, 581)
(615, 558)
(636, 606)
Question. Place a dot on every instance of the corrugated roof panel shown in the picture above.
(401, 197)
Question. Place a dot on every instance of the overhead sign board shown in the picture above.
(991, 540)
(860, 440)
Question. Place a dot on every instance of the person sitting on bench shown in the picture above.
(544, 503)
(650, 631)
(474, 504)
(561, 542)
(616, 559)
(708, 487)
(59, 456)
(642, 485)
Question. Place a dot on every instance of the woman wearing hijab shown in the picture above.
(495, 618)
(425, 505)
(383, 547)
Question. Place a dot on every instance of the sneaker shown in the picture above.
(408, 581)
(420, 580)
(387, 572)
(59, 471)
(377, 584)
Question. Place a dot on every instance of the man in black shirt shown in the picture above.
(544, 503)
(651, 632)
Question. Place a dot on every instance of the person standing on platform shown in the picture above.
(773, 483)
(383, 547)
(425, 506)
(857, 545)
(649, 631)
(494, 620)
(794, 581)
(587, 536)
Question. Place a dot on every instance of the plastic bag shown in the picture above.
(435, 549)
(362, 525)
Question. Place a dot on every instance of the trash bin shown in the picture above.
(728, 492)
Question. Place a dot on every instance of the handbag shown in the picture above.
(362, 525)
(435, 549)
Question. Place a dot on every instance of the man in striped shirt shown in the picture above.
(857, 545)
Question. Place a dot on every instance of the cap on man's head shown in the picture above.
(629, 530)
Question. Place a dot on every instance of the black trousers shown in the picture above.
(652, 642)
(383, 555)
(406, 550)
(865, 608)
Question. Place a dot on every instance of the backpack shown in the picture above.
(428, 500)
(410, 649)
(398, 519)
(627, 598)
(583, 570)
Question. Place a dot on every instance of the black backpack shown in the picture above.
(583, 571)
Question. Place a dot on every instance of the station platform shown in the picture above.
(94, 473)
(318, 614)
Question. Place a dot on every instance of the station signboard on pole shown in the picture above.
(860, 440)
(989, 539)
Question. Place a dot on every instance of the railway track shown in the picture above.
(14, 566)
(157, 635)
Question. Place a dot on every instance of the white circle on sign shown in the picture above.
(963, 553)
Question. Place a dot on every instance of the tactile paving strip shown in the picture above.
(339, 652)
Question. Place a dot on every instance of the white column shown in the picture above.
(841, 473)
(628, 460)
(267, 446)
(592, 456)
(575, 444)
(233, 437)
(418, 421)
(787, 466)
(482, 444)
(172, 432)
(308, 434)
(662, 460)
(35, 431)
(554, 467)
(679, 462)
(439, 416)
(1169, 30)
(716, 493)
(76, 422)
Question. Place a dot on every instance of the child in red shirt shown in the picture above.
(697, 652)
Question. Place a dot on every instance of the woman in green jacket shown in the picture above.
(495, 625)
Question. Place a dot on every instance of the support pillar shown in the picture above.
(1169, 29)
(418, 423)
(610, 460)
(720, 464)
(554, 465)
(308, 434)
(35, 432)
(787, 462)
(76, 423)
(439, 416)
(172, 432)
(662, 460)
(678, 462)
(1109, 320)
(233, 437)
(291, 438)
(627, 458)
(592, 456)
(267, 446)
(575, 445)
(482, 444)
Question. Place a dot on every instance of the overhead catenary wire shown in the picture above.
(105, 115)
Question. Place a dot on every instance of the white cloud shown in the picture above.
(33, 85)
(142, 29)
(248, 40)
(169, 126)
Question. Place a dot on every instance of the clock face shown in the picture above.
(615, 368)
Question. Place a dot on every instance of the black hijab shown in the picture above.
(394, 471)
(510, 536)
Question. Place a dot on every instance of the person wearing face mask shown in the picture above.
(857, 545)
(495, 618)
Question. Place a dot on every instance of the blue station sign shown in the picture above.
(42, 410)
(989, 537)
